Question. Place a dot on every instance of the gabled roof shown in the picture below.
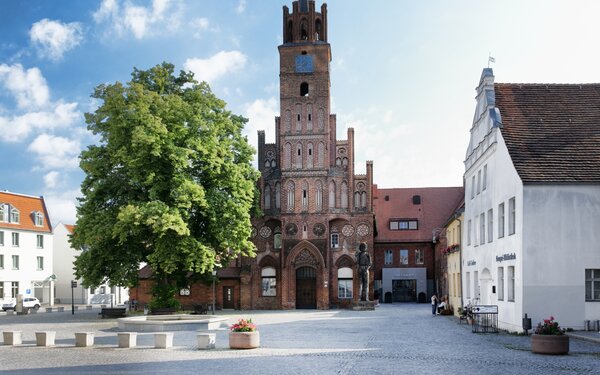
(552, 131)
(70, 228)
(26, 205)
(436, 206)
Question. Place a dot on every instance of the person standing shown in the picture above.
(433, 304)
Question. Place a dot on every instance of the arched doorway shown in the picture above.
(306, 288)
(485, 287)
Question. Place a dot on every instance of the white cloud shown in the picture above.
(142, 21)
(27, 86)
(200, 26)
(51, 179)
(56, 152)
(215, 67)
(241, 7)
(18, 127)
(261, 116)
(53, 38)
(62, 205)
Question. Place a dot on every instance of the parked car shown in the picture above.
(28, 302)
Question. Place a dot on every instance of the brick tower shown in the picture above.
(316, 210)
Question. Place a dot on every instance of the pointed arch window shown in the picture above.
(318, 30)
(309, 117)
(321, 155)
(290, 196)
(298, 155)
(309, 155)
(332, 194)
(267, 197)
(357, 199)
(304, 29)
(287, 155)
(298, 117)
(288, 120)
(304, 196)
(363, 199)
(344, 193)
(277, 238)
(321, 119)
(277, 195)
(319, 196)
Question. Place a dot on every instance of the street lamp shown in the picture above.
(214, 275)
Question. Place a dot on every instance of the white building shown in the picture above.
(25, 247)
(64, 256)
(532, 202)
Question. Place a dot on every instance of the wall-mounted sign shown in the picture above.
(471, 262)
(502, 258)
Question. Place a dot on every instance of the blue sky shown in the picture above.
(403, 73)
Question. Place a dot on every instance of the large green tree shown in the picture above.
(170, 182)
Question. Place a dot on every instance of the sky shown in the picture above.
(403, 74)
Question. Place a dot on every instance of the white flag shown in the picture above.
(492, 59)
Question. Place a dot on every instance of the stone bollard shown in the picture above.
(48, 309)
(127, 339)
(10, 312)
(45, 338)
(61, 309)
(206, 340)
(12, 337)
(88, 307)
(163, 340)
(84, 339)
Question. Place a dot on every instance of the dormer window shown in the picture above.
(15, 216)
(38, 219)
(3, 212)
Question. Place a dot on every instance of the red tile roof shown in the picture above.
(552, 131)
(437, 204)
(26, 205)
(70, 228)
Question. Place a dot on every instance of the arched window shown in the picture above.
(298, 155)
(277, 238)
(277, 195)
(338, 161)
(344, 197)
(332, 194)
(309, 117)
(304, 89)
(319, 196)
(290, 32)
(305, 231)
(288, 120)
(309, 155)
(345, 282)
(269, 282)
(321, 155)
(303, 29)
(318, 30)
(345, 162)
(15, 216)
(287, 155)
(304, 196)
(363, 199)
(267, 163)
(290, 196)
(267, 197)
(357, 199)
(273, 163)
(298, 117)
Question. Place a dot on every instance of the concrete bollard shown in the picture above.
(45, 338)
(206, 340)
(127, 339)
(48, 309)
(88, 307)
(84, 339)
(61, 309)
(163, 340)
(12, 337)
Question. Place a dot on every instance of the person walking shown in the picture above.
(433, 305)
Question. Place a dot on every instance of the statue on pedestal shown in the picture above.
(364, 264)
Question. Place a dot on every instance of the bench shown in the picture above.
(113, 312)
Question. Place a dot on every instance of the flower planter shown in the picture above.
(550, 344)
(244, 340)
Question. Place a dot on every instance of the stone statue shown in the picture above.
(364, 264)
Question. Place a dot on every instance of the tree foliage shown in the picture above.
(170, 182)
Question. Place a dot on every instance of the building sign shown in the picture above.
(485, 309)
(471, 262)
(502, 258)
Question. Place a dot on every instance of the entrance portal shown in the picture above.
(228, 297)
(404, 290)
(306, 288)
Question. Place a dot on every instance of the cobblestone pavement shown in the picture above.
(394, 339)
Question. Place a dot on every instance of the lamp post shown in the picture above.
(214, 275)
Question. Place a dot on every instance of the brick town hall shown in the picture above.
(316, 210)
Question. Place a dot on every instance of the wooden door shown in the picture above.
(306, 288)
(228, 297)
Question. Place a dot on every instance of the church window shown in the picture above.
(290, 196)
(363, 199)
(304, 89)
(269, 282)
(277, 195)
(273, 163)
(332, 194)
(321, 118)
(303, 29)
(309, 124)
(357, 199)
(299, 155)
(344, 197)
(267, 197)
(309, 158)
(345, 283)
(267, 163)
(335, 240)
(288, 120)
(304, 196)
(345, 162)
(298, 117)
(318, 29)
(277, 238)
(338, 161)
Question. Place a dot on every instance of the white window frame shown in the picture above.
(592, 279)
(501, 220)
(39, 240)
(268, 282)
(484, 183)
(473, 187)
(469, 230)
(38, 219)
(15, 215)
(15, 262)
(500, 283)
(403, 258)
(15, 239)
(40, 263)
(490, 224)
(345, 280)
(468, 284)
(1, 238)
(511, 284)
(1, 265)
(482, 228)
(478, 182)
(389, 257)
(512, 216)
(419, 256)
